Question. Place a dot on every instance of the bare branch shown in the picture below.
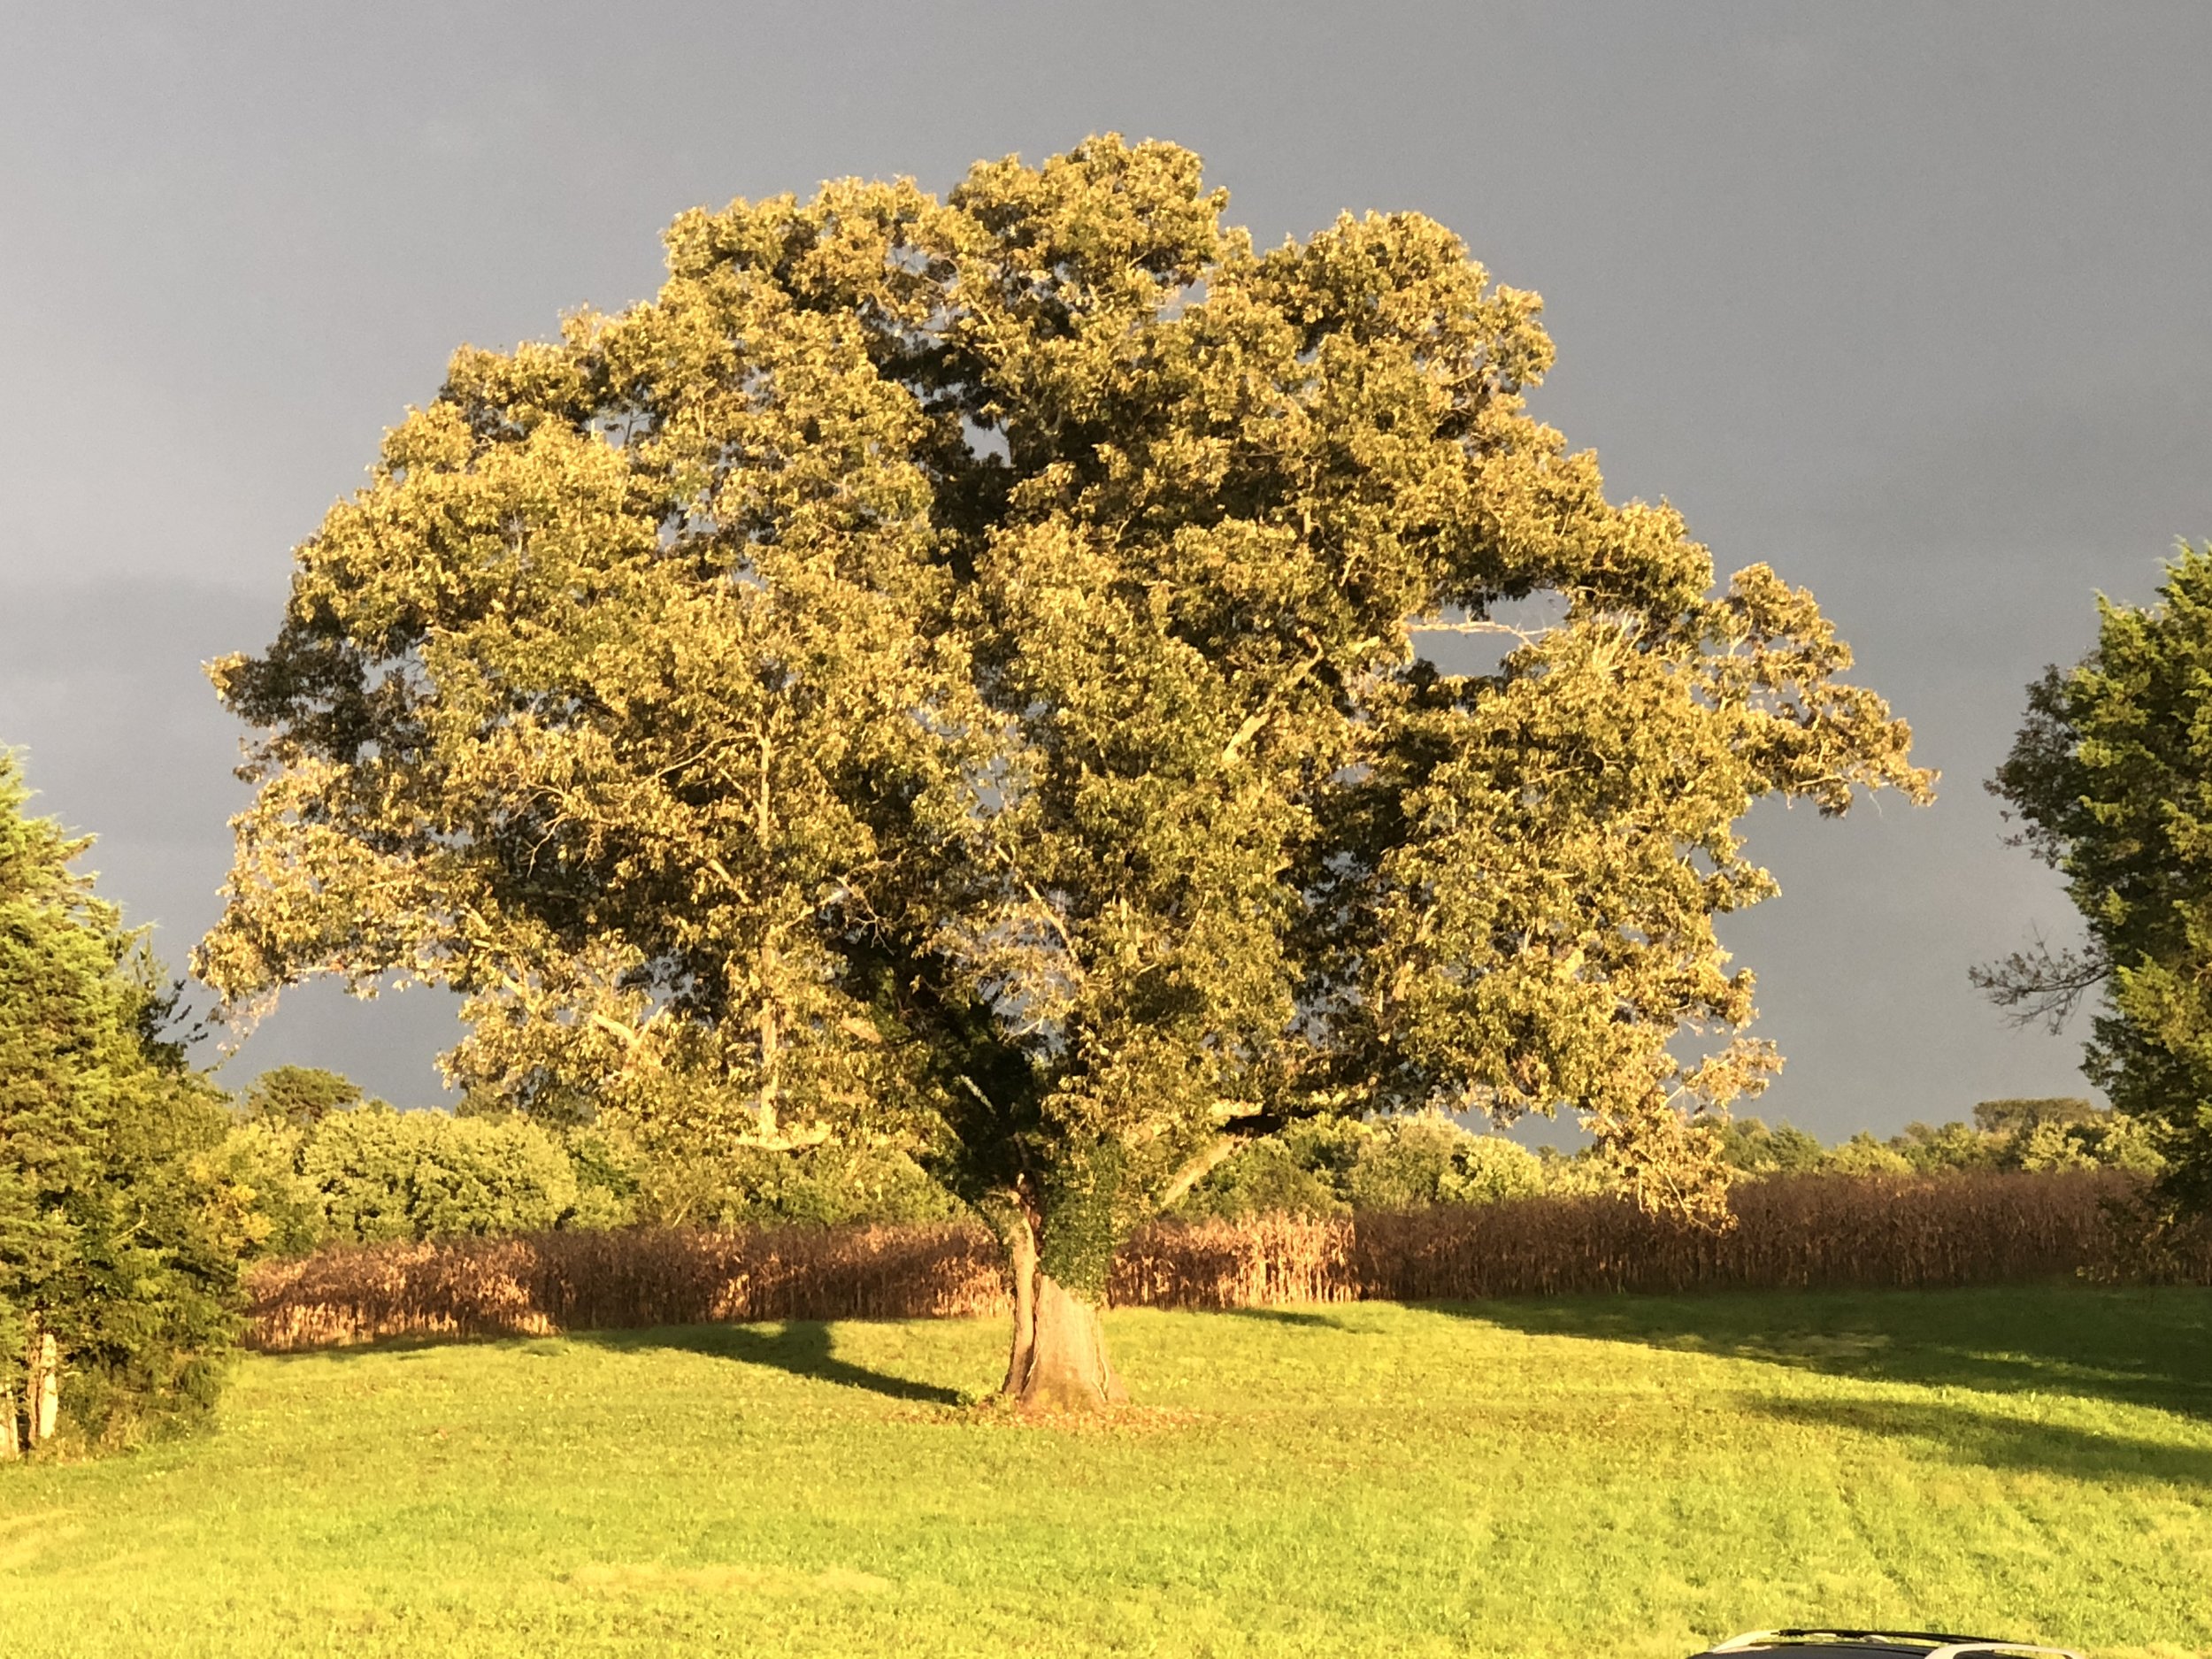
(1259, 716)
(1481, 625)
(2040, 986)
(615, 1028)
(785, 1140)
(1051, 915)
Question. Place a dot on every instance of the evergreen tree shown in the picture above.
(2111, 778)
(118, 1245)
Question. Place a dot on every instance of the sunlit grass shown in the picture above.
(1609, 1476)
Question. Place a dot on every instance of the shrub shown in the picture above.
(1955, 1147)
(607, 1179)
(2018, 1117)
(1329, 1166)
(1270, 1177)
(282, 1213)
(1413, 1163)
(2057, 1132)
(825, 1185)
(1302, 1171)
(386, 1174)
(1403, 1167)
(2102, 1140)
(1572, 1175)
(1489, 1170)
(1746, 1144)
(1863, 1155)
(2046, 1133)
(368, 1173)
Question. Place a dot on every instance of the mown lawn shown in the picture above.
(1604, 1477)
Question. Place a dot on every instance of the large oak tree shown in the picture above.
(955, 669)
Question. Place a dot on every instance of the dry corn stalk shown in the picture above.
(1803, 1233)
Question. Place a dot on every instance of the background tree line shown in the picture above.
(315, 1163)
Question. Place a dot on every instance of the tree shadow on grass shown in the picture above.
(2132, 1347)
(1990, 1440)
(1288, 1316)
(801, 1347)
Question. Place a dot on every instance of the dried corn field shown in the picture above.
(1807, 1233)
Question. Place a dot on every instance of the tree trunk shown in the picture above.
(1021, 1249)
(1059, 1361)
(42, 1391)
(1068, 1367)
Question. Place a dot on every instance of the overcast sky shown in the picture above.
(1910, 302)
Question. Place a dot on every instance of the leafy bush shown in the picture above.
(2057, 1132)
(1863, 1155)
(258, 1162)
(820, 1186)
(1951, 1149)
(2020, 1116)
(2102, 1140)
(1303, 1171)
(607, 1179)
(315, 1163)
(1488, 1169)
(1332, 1166)
(1412, 1163)
(366, 1173)
(386, 1174)
(1748, 1145)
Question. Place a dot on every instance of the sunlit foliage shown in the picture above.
(954, 670)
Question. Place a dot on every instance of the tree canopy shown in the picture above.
(966, 669)
(297, 1096)
(2110, 777)
(118, 1245)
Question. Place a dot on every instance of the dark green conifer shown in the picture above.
(118, 1251)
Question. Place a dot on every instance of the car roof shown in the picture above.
(1920, 1643)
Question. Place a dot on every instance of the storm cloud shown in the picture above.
(1908, 300)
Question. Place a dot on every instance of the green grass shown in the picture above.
(1603, 1477)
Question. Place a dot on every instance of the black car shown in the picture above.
(1921, 1644)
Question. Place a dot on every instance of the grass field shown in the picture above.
(1603, 1477)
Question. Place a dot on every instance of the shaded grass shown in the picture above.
(1585, 1476)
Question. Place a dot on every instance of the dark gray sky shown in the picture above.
(1909, 301)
